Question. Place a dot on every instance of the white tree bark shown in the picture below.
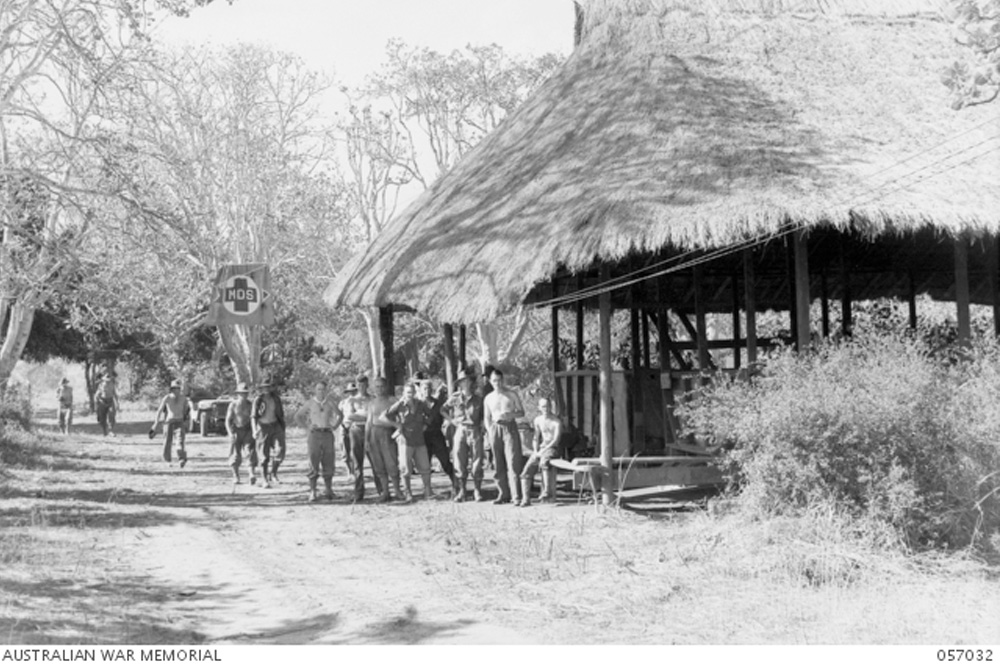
(242, 345)
(22, 315)
(374, 340)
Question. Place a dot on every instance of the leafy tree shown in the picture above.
(975, 79)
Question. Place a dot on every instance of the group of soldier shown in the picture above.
(105, 401)
(398, 437)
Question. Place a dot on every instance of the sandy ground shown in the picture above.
(102, 542)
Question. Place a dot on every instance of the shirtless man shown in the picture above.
(172, 412)
(267, 417)
(241, 434)
(320, 416)
(107, 403)
(382, 450)
(410, 416)
(501, 408)
(548, 430)
(355, 417)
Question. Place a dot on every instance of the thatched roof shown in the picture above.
(694, 124)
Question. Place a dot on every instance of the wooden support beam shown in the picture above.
(846, 316)
(604, 388)
(962, 289)
(701, 328)
(803, 300)
(385, 333)
(463, 358)
(448, 332)
(638, 426)
(750, 305)
(581, 408)
(912, 299)
(556, 366)
(736, 319)
(793, 320)
(646, 353)
(992, 268)
(690, 328)
(824, 303)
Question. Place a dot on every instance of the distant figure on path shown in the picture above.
(548, 431)
(241, 434)
(501, 409)
(64, 401)
(268, 429)
(382, 450)
(411, 417)
(464, 411)
(173, 412)
(107, 403)
(320, 416)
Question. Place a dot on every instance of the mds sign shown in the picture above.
(242, 295)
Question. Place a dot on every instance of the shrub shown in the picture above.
(15, 406)
(875, 425)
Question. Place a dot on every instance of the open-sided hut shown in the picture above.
(711, 156)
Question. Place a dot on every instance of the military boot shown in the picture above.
(313, 495)
(526, 485)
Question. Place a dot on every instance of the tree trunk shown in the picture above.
(520, 327)
(487, 334)
(242, 343)
(374, 340)
(22, 315)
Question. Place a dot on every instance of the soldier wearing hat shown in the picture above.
(268, 424)
(64, 399)
(350, 389)
(172, 412)
(240, 433)
(383, 453)
(464, 411)
(107, 403)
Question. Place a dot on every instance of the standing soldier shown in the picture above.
(64, 398)
(240, 434)
(320, 416)
(410, 417)
(464, 411)
(355, 417)
(345, 437)
(172, 412)
(548, 430)
(437, 444)
(268, 422)
(107, 403)
(382, 451)
(501, 409)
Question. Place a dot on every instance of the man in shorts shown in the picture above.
(173, 412)
(501, 409)
(320, 416)
(548, 431)
(410, 416)
(268, 423)
(241, 434)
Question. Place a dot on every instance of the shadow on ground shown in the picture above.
(66, 611)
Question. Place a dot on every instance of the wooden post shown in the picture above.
(750, 305)
(604, 387)
(580, 381)
(666, 390)
(448, 332)
(701, 329)
(638, 439)
(560, 409)
(462, 356)
(793, 320)
(646, 353)
(736, 318)
(385, 332)
(962, 289)
(846, 316)
(992, 265)
(803, 331)
(912, 299)
(824, 302)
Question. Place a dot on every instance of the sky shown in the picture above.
(348, 38)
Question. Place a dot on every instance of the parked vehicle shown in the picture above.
(209, 416)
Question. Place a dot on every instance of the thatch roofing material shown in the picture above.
(692, 124)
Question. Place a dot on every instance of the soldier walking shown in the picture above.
(107, 403)
(64, 400)
(241, 434)
(173, 413)
(268, 423)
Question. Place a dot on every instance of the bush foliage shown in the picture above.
(880, 426)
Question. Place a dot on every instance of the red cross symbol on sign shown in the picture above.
(240, 295)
